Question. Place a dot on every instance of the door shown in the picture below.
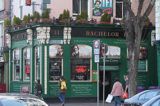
(107, 84)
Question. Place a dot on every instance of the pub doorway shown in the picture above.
(107, 84)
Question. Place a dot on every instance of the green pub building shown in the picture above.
(46, 52)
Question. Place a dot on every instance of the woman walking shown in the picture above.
(117, 91)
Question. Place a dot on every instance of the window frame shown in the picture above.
(90, 66)
(2, 5)
(80, 7)
(13, 64)
(24, 65)
(36, 61)
(60, 57)
(120, 2)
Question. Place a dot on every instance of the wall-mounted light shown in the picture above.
(66, 35)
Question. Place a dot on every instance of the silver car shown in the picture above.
(30, 99)
(12, 102)
(155, 101)
(142, 97)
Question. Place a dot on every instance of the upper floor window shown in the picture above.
(16, 64)
(119, 9)
(1, 5)
(1, 34)
(26, 64)
(55, 62)
(81, 62)
(80, 6)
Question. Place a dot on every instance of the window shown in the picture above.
(119, 9)
(55, 62)
(1, 34)
(26, 63)
(79, 6)
(16, 64)
(1, 5)
(37, 63)
(81, 59)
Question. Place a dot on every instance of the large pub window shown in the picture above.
(55, 62)
(81, 59)
(37, 63)
(16, 64)
(26, 64)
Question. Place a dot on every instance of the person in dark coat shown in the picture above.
(38, 89)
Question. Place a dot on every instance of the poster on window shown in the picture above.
(81, 51)
(101, 6)
(55, 51)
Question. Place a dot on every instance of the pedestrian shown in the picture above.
(126, 83)
(117, 91)
(63, 88)
(38, 89)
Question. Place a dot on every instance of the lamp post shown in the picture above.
(67, 35)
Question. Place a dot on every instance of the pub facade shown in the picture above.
(47, 52)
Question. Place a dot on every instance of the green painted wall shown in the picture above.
(88, 89)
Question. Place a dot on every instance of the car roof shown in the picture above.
(134, 99)
(151, 100)
(18, 95)
(13, 102)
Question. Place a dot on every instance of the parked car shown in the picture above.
(30, 99)
(12, 102)
(142, 97)
(155, 101)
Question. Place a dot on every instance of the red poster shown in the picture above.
(28, 2)
(27, 69)
(81, 69)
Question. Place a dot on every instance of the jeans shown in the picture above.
(117, 101)
(62, 97)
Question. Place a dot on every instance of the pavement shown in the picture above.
(80, 104)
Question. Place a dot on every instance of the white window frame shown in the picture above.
(13, 67)
(1, 5)
(37, 72)
(2, 33)
(114, 14)
(90, 68)
(50, 57)
(80, 7)
(24, 74)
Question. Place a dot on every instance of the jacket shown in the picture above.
(117, 89)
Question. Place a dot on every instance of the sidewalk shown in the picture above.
(80, 104)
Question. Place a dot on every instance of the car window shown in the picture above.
(156, 103)
(147, 95)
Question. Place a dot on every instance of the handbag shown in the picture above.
(109, 98)
(124, 95)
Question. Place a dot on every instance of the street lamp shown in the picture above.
(67, 35)
(43, 35)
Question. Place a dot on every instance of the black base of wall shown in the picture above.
(73, 99)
